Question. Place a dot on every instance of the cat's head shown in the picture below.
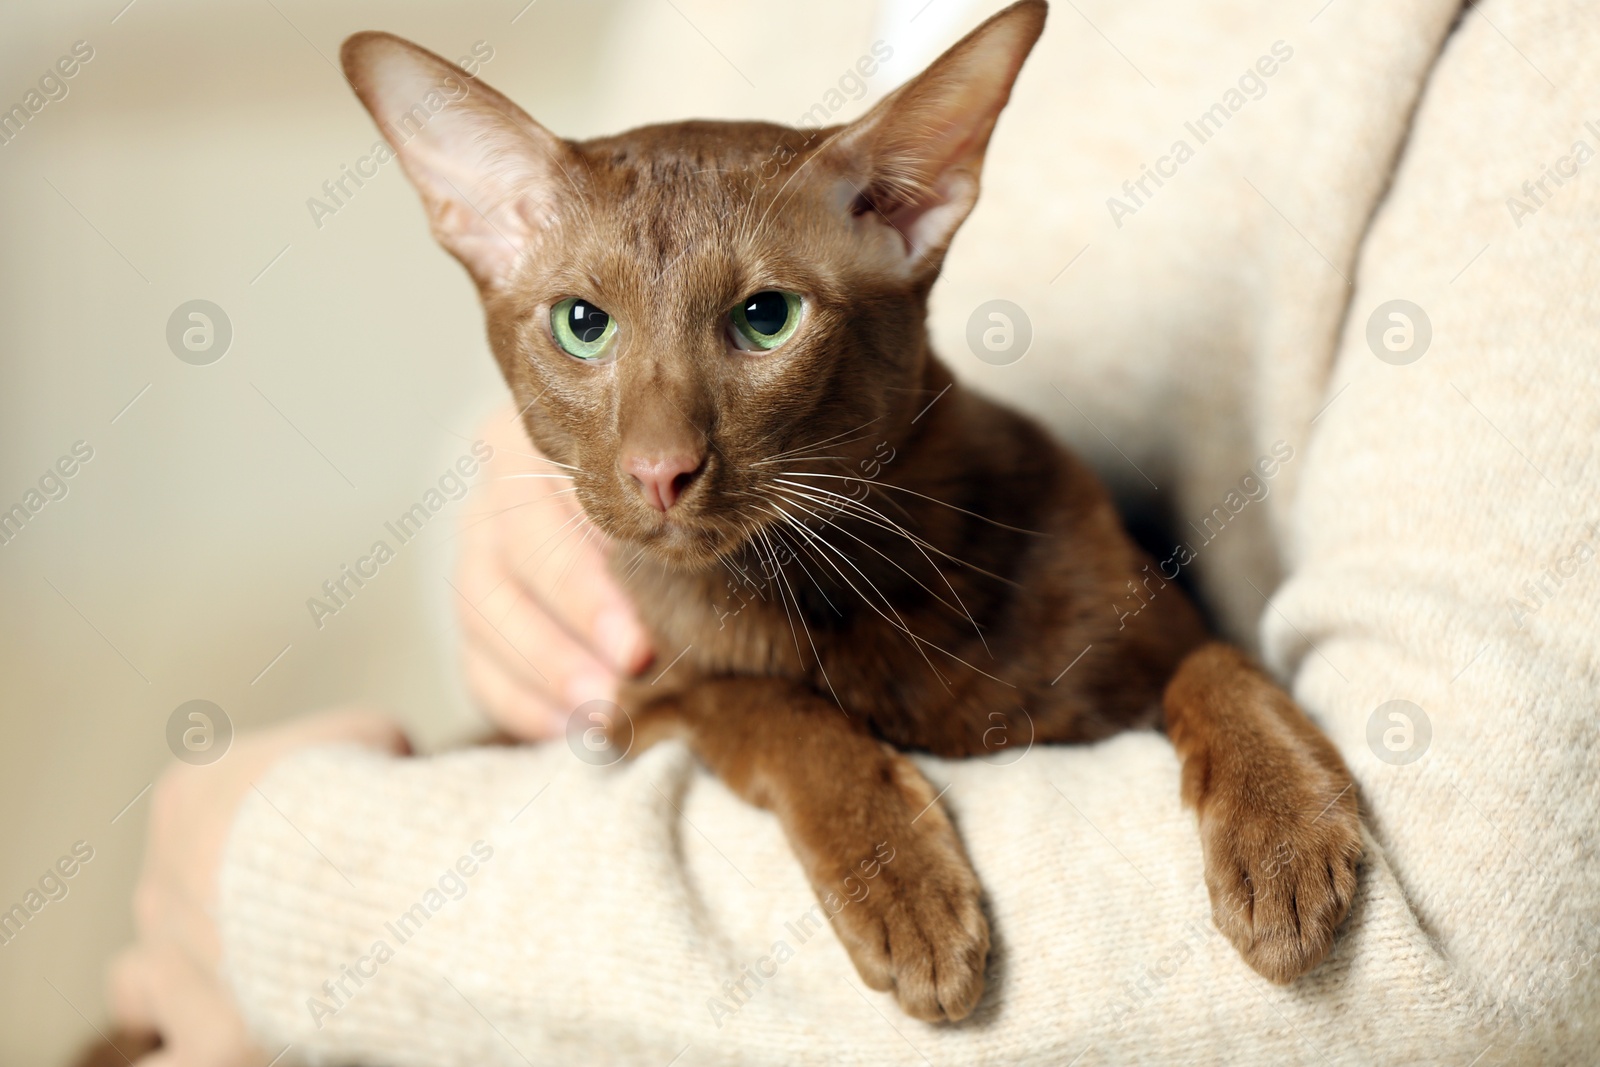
(684, 312)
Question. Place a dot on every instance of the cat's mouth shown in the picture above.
(691, 542)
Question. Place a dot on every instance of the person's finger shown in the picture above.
(514, 629)
(536, 527)
(529, 644)
(567, 569)
(511, 705)
(128, 992)
(486, 592)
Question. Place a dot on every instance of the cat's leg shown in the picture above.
(1279, 821)
(885, 862)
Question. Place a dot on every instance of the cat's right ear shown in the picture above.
(488, 174)
(912, 163)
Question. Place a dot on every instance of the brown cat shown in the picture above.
(716, 327)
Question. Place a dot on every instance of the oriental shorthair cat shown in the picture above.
(716, 330)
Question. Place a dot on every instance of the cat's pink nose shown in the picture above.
(662, 479)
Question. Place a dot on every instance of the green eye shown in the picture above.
(580, 328)
(766, 320)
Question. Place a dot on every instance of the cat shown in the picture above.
(717, 329)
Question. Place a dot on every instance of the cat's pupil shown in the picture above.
(588, 322)
(766, 312)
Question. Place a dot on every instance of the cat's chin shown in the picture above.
(679, 547)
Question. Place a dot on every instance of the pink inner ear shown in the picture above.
(926, 218)
(484, 168)
(919, 150)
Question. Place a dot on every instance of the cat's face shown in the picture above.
(697, 321)
(686, 312)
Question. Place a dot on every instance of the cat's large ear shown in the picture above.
(914, 159)
(488, 174)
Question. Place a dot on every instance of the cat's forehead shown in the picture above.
(694, 176)
(678, 151)
(683, 199)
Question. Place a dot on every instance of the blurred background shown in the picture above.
(341, 368)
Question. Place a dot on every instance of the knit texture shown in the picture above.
(1432, 541)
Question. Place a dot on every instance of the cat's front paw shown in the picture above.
(1281, 870)
(911, 915)
(921, 932)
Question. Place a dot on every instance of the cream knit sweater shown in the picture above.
(1433, 541)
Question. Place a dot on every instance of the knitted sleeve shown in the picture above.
(519, 906)
(1437, 618)
(1441, 602)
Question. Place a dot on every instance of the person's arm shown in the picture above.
(620, 900)
(1444, 585)
(167, 984)
(634, 913)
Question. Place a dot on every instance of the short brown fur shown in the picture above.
(868, 558)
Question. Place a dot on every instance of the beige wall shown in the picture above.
(179, 562)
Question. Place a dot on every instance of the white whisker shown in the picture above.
(892, 561)
(924, 496)
(918, 641)
(868, 513)
(818, 444)
(897, 622)
(959, 607)
(540, 459)
(514, 477)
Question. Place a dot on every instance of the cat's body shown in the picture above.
(716, 330)
(981, 536)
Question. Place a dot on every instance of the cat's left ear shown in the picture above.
(915, 158)
(488, 174)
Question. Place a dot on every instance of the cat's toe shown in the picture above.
(939, 959)
(1281, 881)
(924, 937)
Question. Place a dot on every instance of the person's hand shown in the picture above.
(167, 983)
(544, 626)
